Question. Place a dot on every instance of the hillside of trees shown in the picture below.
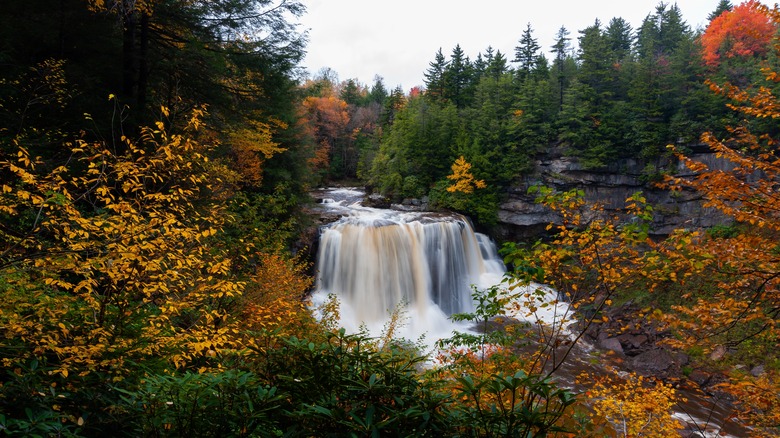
(609, 93)
(155, 156)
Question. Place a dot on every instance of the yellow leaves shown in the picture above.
(208, 232)
(132, 259)
(635, 406)
(463, 180)
(273, 298)
(58, 283)
(253, 145)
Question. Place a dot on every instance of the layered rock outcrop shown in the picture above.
(520, 217)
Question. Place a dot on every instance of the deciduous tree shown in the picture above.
(743, 32)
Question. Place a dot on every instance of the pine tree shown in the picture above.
(352, 93)
(378, 92)
(527, 53)
(434, 77)
(562, 50)
(594, 57)
(723, 6)
(497, 65)
(457, 78)
(620, 39)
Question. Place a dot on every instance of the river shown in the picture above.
(379, 260)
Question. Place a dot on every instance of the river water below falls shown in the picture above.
(425, 264)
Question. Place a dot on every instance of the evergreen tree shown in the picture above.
(352, 93)
(723, 6)
(378, 92)
(619, 42)
(527, 53)
(660, 77)
(416, 150)
(672, 28)
(434, 77)
(458, 78)
(562, 51)
(392, 105)
(497, 65)
(478, 67)
(619, 39)
(595, 61)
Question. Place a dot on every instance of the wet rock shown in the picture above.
(632, 341)
(699, 377)
(757, 371)
(655, 362)
(681, 359)
(612, 344)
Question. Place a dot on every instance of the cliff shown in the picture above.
(520, 217)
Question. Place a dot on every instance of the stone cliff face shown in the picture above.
(520, 217)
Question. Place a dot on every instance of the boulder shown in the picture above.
(656, 362)
(756, 371)
(699, 377)
(612, 344)
(718, 353)
(632, 341)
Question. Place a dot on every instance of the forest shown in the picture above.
(156, 159)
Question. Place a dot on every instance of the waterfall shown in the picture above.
(374, 260)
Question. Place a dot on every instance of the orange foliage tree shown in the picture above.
(251, 146)
(635, 406)
(738, 310)
(328, 118)
(112, 265)
(745, 31)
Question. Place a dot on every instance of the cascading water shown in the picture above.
(375, 260)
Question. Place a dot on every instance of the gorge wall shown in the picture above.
(521, 218)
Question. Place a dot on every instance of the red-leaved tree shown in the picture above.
(744, 32)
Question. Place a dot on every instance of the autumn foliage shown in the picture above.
(462, 179)
(328, 118)
(741, 310)
(635, 406)
(743, 32)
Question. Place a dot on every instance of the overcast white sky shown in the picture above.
(397, 39)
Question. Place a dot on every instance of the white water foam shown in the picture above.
(375, 260)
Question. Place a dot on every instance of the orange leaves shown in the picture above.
(759, 400)
(462, 179)
(636, 407)
(274, 298)
(328, 117)
(742, 32)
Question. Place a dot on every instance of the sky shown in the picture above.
(397, 39)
